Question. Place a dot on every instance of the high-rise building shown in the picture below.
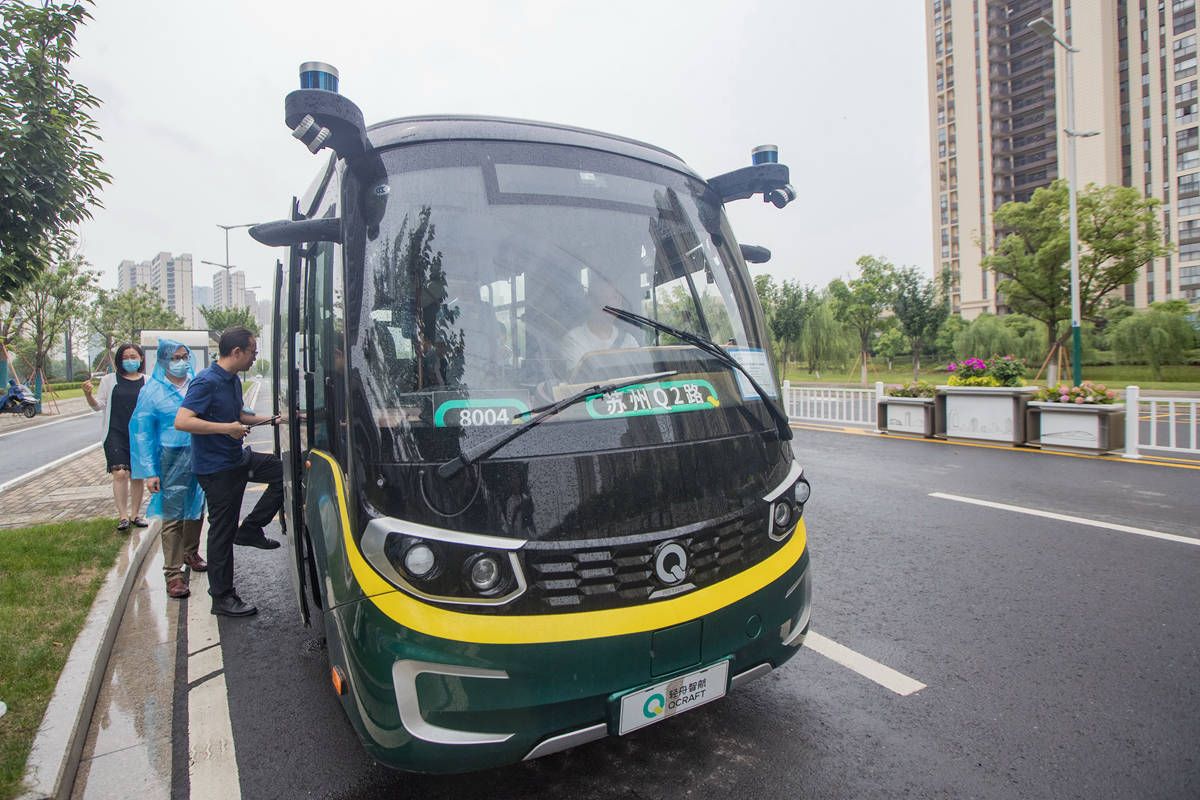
(229, 289)
(997, 106)
(172, 276)
(202, 296)
(131, 274)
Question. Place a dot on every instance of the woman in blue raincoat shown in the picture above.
(163, 457)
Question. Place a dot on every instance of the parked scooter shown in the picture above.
(18, 400)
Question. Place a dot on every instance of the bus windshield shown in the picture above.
(486, 268)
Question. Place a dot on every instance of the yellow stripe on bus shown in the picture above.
(499, 629)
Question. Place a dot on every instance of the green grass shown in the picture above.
(49, 575)
(1180, 378)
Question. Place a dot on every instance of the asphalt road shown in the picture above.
(26, 449)
(1060, 658)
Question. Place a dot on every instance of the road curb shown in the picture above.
(54, 758)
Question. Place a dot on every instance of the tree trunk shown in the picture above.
(864, 367)
(916, 357)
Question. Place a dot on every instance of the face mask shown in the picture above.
(131, 365)
(178, 368)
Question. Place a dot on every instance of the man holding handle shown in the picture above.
(214, 414)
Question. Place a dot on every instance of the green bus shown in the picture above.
(538, 482)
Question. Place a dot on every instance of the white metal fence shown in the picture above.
(828, 404)
(1173, 424)
(1159, 424)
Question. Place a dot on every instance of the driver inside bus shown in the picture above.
(597, 331)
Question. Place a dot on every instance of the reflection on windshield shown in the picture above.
(487, 281)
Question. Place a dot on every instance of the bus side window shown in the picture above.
(327, 354)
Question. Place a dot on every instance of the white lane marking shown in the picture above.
(1095, 523)
(46, 424)
(869, 668)
(212, 760)
(46, 467)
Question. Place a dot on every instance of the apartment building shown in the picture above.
(172, 277)
(169, 276)
(131, 274)
(229, 289)
(997, 104)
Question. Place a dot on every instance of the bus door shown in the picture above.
(294, 443)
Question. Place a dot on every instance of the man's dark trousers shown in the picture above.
(224, 491)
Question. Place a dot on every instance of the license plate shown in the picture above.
(647, 706)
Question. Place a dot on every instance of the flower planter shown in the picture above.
(986, 413)
(1076, 428)
(907, 415)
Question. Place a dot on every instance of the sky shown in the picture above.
(193, 131)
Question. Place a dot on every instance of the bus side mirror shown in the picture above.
(288, 232)
(755, 254)
(771, 180)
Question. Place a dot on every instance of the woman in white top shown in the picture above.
(117, 397)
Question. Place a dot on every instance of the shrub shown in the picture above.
(996, 371)
(918, 389)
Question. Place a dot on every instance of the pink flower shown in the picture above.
(1110, 393)
(1079, 400)
(1063, 399)
(1099, 387)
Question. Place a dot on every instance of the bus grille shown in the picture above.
(595, 578)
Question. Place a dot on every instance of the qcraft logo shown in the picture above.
(670, 563)
(654, 706)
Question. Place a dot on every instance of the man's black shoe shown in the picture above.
(232, 606)
(258, 540)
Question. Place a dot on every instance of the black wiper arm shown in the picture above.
(713, 349)
(484, 449)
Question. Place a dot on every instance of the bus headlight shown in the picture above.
(442, 565)
(419, 561)
(802, 492)
(782, 515)
(484, 573)
(787, 504)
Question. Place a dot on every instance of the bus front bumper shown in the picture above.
(431, 704)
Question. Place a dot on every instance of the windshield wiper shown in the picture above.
(714, 350)
(484, 449)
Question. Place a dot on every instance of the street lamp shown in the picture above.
(227, 229)
(1043, 27)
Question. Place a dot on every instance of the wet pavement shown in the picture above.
(128, 752)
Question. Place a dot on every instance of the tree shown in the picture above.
(890, 344)
(1119, 233)
(12, 324)
(986, 335)
(49, 173)
(121, 316)
(787, 324)
(51, 301)
(823, 339)
(861, 303)
(220, 319)
(921, 310)
(1155, 338)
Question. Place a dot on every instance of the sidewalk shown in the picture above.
(80, 489)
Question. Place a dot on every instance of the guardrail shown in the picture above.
(1174, 413)
(829, 404)
(1159, 424)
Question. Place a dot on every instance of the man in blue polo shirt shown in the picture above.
(213, 413)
